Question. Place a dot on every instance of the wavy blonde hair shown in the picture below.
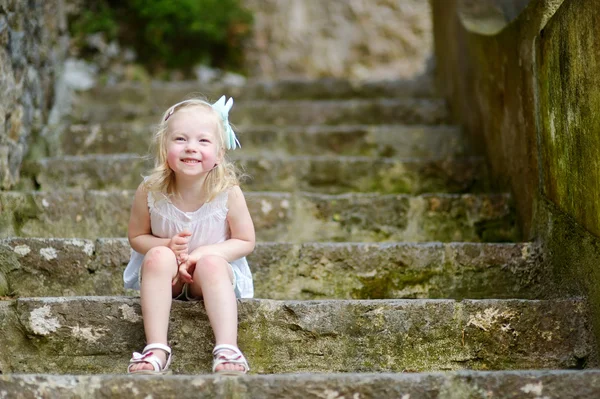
(162, 178)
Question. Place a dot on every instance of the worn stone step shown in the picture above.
(555, 384)
(65, 267)
(425, 111)
(326, 174)
(444, 141)
(297, 217)
(97, 335)
(166, 93)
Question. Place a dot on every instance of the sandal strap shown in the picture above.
(157, 346)
(147, 356)
(226, 347)
(235, 358)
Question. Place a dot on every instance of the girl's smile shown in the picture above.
(191, 161)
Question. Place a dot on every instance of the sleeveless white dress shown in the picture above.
(208, 225)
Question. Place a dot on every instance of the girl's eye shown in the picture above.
(179, 139)
(204, 140)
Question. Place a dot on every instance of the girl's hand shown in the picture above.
(179, 245)
(186, 271)
(186, 268)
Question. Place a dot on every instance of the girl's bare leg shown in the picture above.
(158, 270)
(213, 281)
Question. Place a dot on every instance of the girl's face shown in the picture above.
(192, 148)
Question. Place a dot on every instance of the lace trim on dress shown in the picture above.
(215, 208)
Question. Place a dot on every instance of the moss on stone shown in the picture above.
(24, 209)
(387, 283)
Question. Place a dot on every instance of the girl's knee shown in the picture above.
(158, 259)
(211, 267)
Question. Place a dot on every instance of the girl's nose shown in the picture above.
(191, 147)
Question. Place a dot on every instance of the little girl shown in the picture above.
(190, 231)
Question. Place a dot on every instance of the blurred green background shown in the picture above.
(166, 34)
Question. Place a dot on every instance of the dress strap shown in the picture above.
(151, 201)
(221, 199)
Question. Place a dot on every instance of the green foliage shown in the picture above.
(96, 17)
(172, 34)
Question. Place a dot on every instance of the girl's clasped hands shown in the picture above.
(186, 261)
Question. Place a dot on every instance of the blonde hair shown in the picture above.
(162, 178)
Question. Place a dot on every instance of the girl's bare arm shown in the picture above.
(139, 231)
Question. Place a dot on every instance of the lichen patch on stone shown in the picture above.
(42, 322)
(129, 313)
(131, 386)
(330, 394)
(491, 317)
(88, 247)
(88, 333)
(48, 253)
(265, 207)
(525, 251)
(536, 389)
(547, 335)
(198, 383)
(22, 250)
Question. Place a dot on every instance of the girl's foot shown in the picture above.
(228, 359)
(227, 366)
(154, 359)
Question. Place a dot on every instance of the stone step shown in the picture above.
(323, 174)
(86, 335)
(424, 111)
(65, 267)
(297, 217)
(404, 141)
(555, 384)
(167, 93)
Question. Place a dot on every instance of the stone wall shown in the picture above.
(489, 82)
(528, 96)
(361, 39)
(568, 75)
(33, 42)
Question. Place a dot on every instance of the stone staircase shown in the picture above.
(386, 266)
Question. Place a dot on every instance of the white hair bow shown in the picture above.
(223, 107)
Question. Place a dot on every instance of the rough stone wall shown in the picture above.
(528, 95)
(361, 39)
(568, 99)
(568, 72)
(489, 82)
(32, 45)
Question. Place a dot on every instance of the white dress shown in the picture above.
(208, 225)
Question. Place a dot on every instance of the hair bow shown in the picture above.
(222, 107)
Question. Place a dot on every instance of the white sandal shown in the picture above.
(219, 357)
(147, 356)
